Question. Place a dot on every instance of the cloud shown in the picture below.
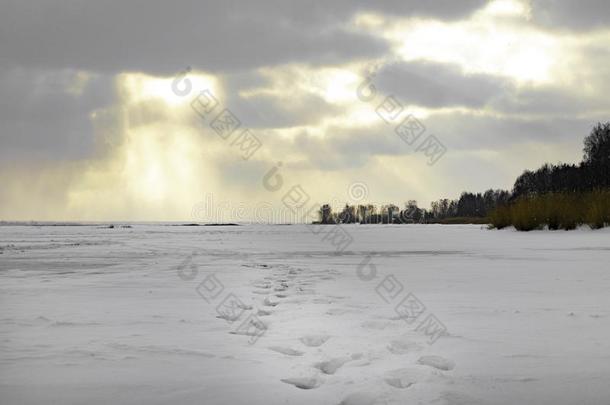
(437, 85)
(549, 101)
(444, 85)
(47, 114)
(278, 111)
(161, 38)
(472, 131)
(575, 15)
(88, 120)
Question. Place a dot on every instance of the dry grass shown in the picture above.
(555, 211)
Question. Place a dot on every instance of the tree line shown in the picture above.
(469, 205)
(563, 196)
(593, 173)
(578, 193)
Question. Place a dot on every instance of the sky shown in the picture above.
(221, 111)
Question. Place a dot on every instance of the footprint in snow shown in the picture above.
(314, 340)
(402, 378)
(270, 303)
(331, 366)
(438, 362)
(403, 347)
(303, 383)
(286, 350)
(229, 317)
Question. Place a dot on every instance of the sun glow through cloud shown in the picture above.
(141, 87)
(158, 164)
(490, 41)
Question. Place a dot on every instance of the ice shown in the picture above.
(258, 314)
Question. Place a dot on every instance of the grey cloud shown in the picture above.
(549, 101)
(48, 41)
(162, 37)
(585, 96)
(459, 132)
(349, 148)
(435, 85)
(267, 111)
(571, 14)
(463, 131)
(438, 85)
(40, 119)
(235, 83)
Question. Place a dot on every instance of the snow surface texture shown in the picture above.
(158, 314)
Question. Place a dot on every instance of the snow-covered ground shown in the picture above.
(141, 315)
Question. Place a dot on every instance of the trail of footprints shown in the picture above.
(285, 281)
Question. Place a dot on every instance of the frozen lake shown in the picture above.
(279, 315)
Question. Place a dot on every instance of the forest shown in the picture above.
(555, 196)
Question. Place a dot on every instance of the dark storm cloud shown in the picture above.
(162, 37)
